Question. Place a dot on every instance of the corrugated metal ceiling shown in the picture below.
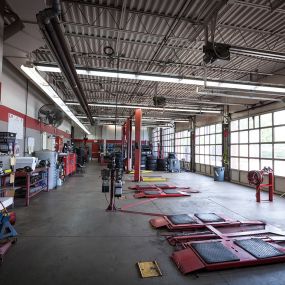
(165, 36)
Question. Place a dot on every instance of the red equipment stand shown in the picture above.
(138, 126)
(270, 186)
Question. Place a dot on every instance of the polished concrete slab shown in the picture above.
(67, 237)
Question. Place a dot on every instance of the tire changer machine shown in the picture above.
(112, 181)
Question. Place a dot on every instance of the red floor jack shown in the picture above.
(255, 177)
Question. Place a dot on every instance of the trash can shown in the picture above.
(219, 173)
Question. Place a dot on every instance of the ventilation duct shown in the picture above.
(48, 21)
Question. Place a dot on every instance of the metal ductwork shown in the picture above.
(48, 21)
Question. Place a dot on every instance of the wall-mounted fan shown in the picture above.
(50, 114)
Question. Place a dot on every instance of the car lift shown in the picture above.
(213, 242)
(198, 221)
(166, 193)
(231, 250)
(161, 191)
(143, 187)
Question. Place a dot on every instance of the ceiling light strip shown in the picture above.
(32, 73)
(154, 108)
(144, 119)
(168, 78)
(213, 94)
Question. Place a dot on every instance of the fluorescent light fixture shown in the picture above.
(169, 78)
(238, 96)
(257, 53)
(144, 119)
(244, 86)
(32, 73)
(48, 68)
(155, 108)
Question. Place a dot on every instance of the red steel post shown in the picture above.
(138, 125)
(129, 144)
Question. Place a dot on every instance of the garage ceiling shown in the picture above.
(166, 37)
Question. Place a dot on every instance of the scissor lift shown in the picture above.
(230, 252)
(212, 242)
(161, 191)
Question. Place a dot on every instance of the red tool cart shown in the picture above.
(69, 164)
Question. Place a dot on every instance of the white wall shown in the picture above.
(107, 132)
(22, 96)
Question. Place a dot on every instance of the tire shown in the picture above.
(161, 164)
(151, 160)
(153, 168)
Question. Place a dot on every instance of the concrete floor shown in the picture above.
(66, 237)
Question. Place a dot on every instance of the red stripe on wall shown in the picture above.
(31, 123)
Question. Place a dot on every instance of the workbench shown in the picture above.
(30, 185)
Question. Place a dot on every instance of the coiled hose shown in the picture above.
(255, 177)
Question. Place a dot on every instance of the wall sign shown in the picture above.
(16, 125)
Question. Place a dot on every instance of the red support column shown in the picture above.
(129, 144)
(138, 126)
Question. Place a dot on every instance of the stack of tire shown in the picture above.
(143, 161)
(161, 164)
(151, 163)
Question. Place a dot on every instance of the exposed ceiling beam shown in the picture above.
(259, 6)
(131, 11)
(123, 40)
(251, 30)
(159, 63)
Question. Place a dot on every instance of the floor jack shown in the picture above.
(8, 234)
